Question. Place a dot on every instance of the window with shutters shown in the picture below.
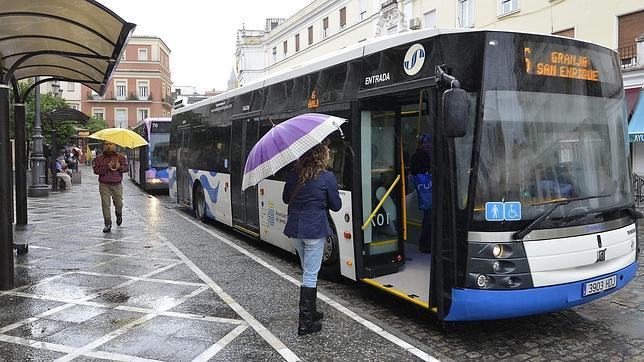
(429, 19)
(120, 115)
(143, 55)
(143, 89)
(570, 33)
(285, 47)
(362, 9)
(343, 18)
(325, 27)
(310, 34)
(506, 7)
(629, 28)
(297, 42)
(121, 90)
(465, 13)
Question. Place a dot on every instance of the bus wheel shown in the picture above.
(330, 268)
(200, 203)
(330, 252)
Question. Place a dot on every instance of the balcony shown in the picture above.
(113, 97)
(628, 56)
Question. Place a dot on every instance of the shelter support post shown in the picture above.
(21, 163)
(6, 219)
(52, 161)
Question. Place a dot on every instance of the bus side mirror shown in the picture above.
(455, 112)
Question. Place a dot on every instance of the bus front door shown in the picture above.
(183, 161)
(396, 227)
(244, 204)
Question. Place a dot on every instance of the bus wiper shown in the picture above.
(519, 235)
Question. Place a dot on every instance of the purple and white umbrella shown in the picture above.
(285, 143)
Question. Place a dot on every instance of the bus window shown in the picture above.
(538, 148)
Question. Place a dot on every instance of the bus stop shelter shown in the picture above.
(66, 40)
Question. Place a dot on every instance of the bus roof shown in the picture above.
(348, 53)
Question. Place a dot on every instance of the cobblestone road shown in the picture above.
(166, 287)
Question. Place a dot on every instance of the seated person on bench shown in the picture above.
(61, 172)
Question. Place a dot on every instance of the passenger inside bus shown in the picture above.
(420, 169)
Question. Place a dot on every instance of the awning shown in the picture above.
(636, 126)
(70, 40)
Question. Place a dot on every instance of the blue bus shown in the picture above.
(532, 203)
(149, 164)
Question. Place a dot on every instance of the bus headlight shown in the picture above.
(497, 251)
(481, 281)
(496, 267)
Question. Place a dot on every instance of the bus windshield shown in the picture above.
(540, 148)
(159, 143)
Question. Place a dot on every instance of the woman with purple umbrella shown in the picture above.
(310, 191)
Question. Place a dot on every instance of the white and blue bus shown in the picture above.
(532, 207)
(149, 164)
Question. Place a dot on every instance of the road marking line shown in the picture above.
(153, 280)
(370, 325)
(267, 335)
(37, 344)
(117, 357)
(215, 348)
(120, 331)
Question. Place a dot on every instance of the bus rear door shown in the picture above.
(184, 183)
(244, 204)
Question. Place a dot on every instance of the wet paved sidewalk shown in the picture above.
(163, 287)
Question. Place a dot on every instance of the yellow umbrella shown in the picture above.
(121, 136)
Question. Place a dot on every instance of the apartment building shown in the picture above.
(140, 87)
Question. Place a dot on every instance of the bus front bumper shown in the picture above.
(474, 304)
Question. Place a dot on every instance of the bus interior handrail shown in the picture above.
(382, 201)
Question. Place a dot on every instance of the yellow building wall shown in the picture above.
(593, 20)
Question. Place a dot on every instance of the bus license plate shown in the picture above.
(600, 285)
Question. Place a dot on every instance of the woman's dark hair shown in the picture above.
(313, 162)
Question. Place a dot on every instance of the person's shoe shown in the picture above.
(119, 220)
(107, 228)
(306, 323)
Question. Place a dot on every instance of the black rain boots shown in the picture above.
(108, 227)
(308, 322)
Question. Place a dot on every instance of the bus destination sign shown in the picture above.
(559, 63)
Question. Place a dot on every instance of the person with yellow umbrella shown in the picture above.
(110, 167)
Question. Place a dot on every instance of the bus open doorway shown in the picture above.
(396, 133)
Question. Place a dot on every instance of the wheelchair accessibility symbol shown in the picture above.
(500, 211)
(512, 211)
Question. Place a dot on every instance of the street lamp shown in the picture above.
(55, 87)
(38, 188)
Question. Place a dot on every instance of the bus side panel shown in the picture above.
(273, 214)
(216, 187)
(172, 183)
(272, 220)
(344, 228)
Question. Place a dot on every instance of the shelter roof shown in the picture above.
(72, 40)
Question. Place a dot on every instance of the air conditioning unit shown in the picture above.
(414, 23)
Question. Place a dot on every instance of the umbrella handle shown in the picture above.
(346, 144)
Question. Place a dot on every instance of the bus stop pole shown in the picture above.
(6, 220)
(21, 163)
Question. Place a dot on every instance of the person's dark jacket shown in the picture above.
(307, 212)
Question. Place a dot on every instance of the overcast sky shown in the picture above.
(200, 33)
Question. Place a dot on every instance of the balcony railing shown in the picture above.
(628, 56)
(111, 96)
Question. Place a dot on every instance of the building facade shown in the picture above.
(140, 87)
(325, 26)
(69, 91)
